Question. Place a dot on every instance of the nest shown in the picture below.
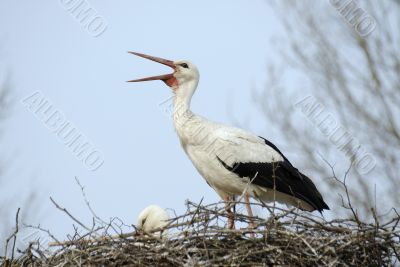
(200, 238)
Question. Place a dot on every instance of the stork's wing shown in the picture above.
(256, 158)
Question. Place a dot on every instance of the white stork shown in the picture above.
(233, 161)
(151, 218)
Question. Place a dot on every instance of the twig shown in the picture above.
(69, 214)
(13, 235)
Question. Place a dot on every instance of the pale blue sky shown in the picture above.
(46, 50)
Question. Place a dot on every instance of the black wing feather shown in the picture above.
(282, 176)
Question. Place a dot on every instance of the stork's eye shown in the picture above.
(184, 65)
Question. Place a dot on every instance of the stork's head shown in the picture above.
(151, 218)
(185, 73)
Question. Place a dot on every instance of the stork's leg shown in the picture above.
(231, 216)
(249, 212)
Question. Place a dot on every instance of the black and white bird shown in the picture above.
(232, 161)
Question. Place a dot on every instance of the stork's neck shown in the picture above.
(181, 107)
(182, 115)
(181, 111)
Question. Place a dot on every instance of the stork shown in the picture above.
(232, 161)
(151, 218)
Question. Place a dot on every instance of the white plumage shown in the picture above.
(151, 218)
(230, 159)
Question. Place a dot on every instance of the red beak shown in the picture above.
(169, 79)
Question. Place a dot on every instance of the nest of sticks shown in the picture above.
(200, 238)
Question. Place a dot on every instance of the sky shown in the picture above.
(46, 51)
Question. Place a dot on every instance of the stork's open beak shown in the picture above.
(169, 79)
